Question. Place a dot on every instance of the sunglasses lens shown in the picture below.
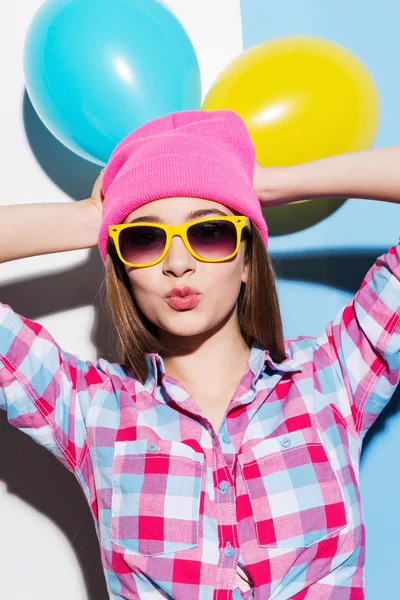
(142, 244)
(213, 239)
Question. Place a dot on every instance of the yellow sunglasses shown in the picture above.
(210, 239)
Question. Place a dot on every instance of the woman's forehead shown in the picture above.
(178, 209)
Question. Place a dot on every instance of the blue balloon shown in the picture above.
(95, 70)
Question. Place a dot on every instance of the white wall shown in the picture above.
(48, 548)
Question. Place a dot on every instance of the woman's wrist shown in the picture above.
(275, 186)
(89, 218)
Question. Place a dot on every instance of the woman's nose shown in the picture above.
(178, 258)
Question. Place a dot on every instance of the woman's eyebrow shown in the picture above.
(194, 214)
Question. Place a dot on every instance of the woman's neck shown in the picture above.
(210, 359)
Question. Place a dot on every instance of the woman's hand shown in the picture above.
(96, 199)
(91, 212)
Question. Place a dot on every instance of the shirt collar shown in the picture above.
(259, 358)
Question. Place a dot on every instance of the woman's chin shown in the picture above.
(185, 325)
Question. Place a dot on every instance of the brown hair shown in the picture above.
(258, 310)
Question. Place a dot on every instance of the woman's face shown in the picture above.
(218, 283)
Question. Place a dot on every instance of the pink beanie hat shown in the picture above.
(203, 154)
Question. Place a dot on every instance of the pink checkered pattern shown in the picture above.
(179, 508)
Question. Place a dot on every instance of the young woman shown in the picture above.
(218, 459)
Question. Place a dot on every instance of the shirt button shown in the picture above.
(152, 447)
(226, 438)
(285, 442)
(224, 485)
(229, 551)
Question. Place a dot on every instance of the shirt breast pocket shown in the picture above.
(156, 487)
(294, 492)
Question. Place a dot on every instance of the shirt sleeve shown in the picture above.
(363, 341)
(46, 391)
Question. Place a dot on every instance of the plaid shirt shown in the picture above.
(180, 509)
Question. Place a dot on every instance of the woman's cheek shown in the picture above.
(144, 296)
(147, 301)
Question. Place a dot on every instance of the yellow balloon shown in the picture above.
(301, 97)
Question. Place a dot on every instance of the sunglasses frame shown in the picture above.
(180, 230)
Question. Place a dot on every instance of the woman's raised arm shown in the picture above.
(363, 339)
(373, 174)
(46, 391)
(47, 227)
